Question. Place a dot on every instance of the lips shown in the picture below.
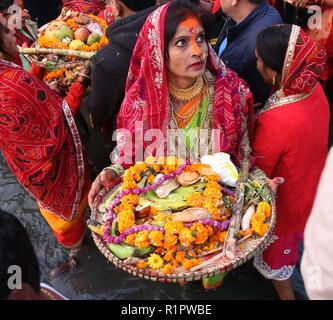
(197, 65)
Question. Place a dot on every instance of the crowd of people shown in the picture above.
(235, 67)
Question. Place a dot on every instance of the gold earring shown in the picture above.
(273, 80)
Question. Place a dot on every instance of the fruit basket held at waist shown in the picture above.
(169, 220)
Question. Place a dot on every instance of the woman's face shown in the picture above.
(266, 72)
(9, 41)
(188, 51)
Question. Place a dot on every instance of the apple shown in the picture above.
(81, 34)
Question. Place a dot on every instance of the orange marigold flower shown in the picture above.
(141, 264)
(200, 233)
(173, 227)
(126, 219)
(222, 236)
(195, 199)
(156, 238)
(190, 263)
(170, 254)
(151, 179)
(130, 240)
(168, 269)
(170, 240)
(180, 256)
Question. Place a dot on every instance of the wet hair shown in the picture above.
(136, 5)
(178, 11)
(5, 4)
(272, 45)
(3, 30)
(16, 249)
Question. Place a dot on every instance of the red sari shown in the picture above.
(40, 141)
(147, 98)
(291, 139)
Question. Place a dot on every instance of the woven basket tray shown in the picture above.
(246, 251)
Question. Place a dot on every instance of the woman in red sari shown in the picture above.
(178, 87)
(291, 139)
(41, 144)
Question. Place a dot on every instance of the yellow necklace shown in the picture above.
(185, 95)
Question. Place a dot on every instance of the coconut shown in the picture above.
(58, 30)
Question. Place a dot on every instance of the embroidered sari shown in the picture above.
(228, 106)
(291, 138)
(42, 146)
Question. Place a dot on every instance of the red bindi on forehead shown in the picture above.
(192, 24)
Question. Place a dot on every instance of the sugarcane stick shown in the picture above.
(61, 52)
(230, 243)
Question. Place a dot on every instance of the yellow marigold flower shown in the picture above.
(141, 264)
(173, 227)
(142, 239)
(130, 240)
(185, 237)
(167, 269)
(195, 199)
(200, 233)
(156, 238)
(155, 261)
(130, 199)
(160, 216)
(190, 263)
(265, 207)
(169, 241)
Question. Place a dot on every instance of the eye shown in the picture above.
(201, 38)
(180, 43)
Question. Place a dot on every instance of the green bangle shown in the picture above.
(117, 169)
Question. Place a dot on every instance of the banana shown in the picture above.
(96, 227)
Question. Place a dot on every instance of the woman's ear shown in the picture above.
(116, 8)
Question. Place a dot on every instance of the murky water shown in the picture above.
(95, 277)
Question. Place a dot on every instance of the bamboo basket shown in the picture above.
(223, 263)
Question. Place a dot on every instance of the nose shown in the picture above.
(196, 50)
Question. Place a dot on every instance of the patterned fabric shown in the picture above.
(303, 65)
(147, 97)
(324, 36)
(85, 6)
(40, 141)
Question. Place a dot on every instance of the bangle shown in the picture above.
(117, 169)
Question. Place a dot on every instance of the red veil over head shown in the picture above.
(85, 6)
(147, 97)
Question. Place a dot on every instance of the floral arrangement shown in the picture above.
(64, 44)
(169, 215)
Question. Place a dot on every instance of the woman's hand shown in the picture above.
(274, 183)
(84, 75)
(103, 180)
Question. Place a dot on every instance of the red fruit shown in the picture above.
(81, 34)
